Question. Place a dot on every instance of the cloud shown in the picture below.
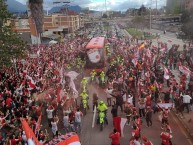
(117, 5)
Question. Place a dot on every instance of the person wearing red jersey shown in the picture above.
(166, 137)
(165, 116)
(135, 133)
(115, 136)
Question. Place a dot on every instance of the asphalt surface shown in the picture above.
(93, 136)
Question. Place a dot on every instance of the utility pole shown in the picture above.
(156, 11)
(150, 16)
(106, 7)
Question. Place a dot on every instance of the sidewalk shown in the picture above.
(187, 119)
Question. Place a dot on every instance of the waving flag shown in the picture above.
(31, 82)
(184, 70)
(119, 124)
(67, 139)
(148, 53)
(31, 138)
(38, 124)
(166, 73)
(72, 74)
(60, 94)
(135, 58)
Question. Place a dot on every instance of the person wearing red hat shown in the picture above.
(146, 141)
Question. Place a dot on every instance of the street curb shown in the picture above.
(184, 124)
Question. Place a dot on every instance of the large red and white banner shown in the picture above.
(165, 105)
(119, 124)
(31, 138)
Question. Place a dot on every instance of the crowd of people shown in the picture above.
(139, 77)
(38, 82)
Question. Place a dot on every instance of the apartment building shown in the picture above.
(56, 22)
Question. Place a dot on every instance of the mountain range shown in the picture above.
(16, 7)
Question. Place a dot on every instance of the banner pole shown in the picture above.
(94, 116)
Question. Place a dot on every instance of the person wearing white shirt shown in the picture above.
(54, 124)
(66, 123)
(50, 111)
(108, 93)
(78, 120)
(24, 138)
(186, 101)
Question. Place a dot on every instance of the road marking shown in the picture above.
(182, 130)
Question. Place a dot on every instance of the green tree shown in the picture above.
(187, 25)
(142, 10)
(11, 45)
(139, 22)
(104, 16)
(37, 12)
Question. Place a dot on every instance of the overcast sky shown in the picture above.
(117, 5)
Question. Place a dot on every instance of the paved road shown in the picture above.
(93, 136)
(165, 37)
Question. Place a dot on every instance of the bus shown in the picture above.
(96, 54)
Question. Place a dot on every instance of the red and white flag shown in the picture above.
(73, 140)
(166, 73)
(31, 82)
(184, 70)
(135, 58)
(119, 124)
(60, 94)
(38, 124)
(31, 138)
(148, 53)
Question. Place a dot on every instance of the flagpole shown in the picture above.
(94, 116)
(150, 16)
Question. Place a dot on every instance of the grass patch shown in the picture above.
(139, 34)
(135, 33)
(106, 28)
